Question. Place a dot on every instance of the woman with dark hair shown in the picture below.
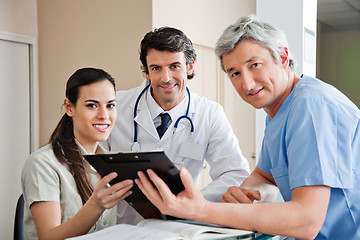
(63, 194)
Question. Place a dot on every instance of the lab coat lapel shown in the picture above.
(184, 123)
(144, 120)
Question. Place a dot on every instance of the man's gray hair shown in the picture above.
(250, 28)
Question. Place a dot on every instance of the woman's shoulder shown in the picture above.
(44, 155)
(43, 151)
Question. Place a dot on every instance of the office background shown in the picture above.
(63, 36)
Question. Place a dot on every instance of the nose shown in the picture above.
(248, 81)
(166, 75)
(103, 113)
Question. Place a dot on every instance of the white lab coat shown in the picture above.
(213, 140)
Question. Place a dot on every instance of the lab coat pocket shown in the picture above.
(192, 151)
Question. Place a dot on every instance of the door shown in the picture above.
(14, 127)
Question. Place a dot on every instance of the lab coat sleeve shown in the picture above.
(228, 167)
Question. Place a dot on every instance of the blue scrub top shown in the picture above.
(314, 139)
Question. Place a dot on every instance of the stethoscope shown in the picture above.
(136, 146)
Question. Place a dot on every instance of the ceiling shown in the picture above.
(339, 15)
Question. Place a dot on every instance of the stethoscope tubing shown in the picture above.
(186, 114)
(135, 111)
(176, 122)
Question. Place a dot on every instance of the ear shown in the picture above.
(69, 110)
(284, 57)
(191, 67)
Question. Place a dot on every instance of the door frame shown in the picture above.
(34, 82)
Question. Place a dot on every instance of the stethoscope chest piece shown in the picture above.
(135, 147)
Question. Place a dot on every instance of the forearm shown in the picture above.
(285, 219)
(79, 224)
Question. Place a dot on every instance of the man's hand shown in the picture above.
(187, 204)
(241, 195)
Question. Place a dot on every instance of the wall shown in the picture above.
(340, 65)
(19, 16)
(98, 34)
(82, 33)
(203, 21)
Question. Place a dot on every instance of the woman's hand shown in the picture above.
(106, 197)
(187, 204)
(47, 215)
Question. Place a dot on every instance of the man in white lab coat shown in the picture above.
(202, 133)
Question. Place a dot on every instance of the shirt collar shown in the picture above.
(99, 148)
(155, 109)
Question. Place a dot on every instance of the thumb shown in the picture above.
(187, 181)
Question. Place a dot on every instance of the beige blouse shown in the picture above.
(44, 178)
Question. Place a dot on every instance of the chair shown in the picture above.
(19, 233)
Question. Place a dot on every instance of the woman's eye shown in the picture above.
(111, 105)
(91, 105)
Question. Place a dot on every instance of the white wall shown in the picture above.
(299, 16)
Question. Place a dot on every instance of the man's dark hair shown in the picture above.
(167, 39)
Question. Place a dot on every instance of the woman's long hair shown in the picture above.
(63, 139)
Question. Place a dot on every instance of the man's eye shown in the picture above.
(235, 74)
(255, 65)
(175, 66)
(155, 68)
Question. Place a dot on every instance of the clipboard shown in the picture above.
(127, 164)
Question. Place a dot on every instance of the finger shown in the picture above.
(161, 186)
(106, 192)
(227, 197)
(105, 180)
(118, 186)
(121, 194)
(147, 188)
(234, 195)
(115, 198)
(253, 194)
(243, 198)
(188, 182)
(118, 189)
(103, 183)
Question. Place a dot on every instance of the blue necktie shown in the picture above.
(165, 118)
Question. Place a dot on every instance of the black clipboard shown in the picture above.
(127, 164)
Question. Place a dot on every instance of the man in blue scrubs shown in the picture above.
(310, 151)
